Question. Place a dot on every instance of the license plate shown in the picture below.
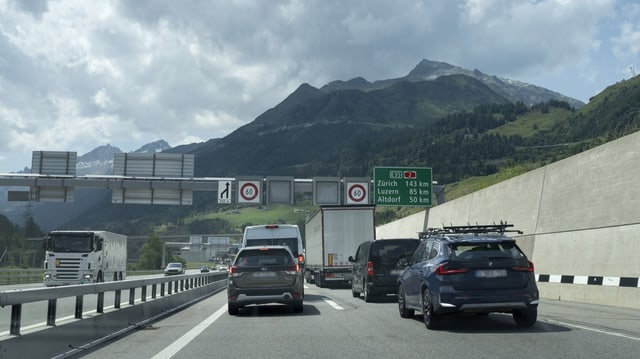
(264, 274)
(491, 273)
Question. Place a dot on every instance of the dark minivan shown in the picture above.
(375, 267)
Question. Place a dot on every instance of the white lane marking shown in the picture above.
(182, 342)
(577, 326)
(333, 304)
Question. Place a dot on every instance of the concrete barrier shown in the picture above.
(580, 218)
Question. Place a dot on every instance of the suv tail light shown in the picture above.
(443, 270)
(293, 269)
(370, 268)
(529, 268)
(233, 271)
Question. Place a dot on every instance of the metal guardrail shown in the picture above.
(161, 286)
(26, 276)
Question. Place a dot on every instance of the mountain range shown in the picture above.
(439, 115)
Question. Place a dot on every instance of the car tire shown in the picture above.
(354, 292)
(431, 320)
(233, 309)
(525, 317)
(365, 292)
(402, 304)
(298, 306)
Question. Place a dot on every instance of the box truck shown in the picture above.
(79, 257)
(332, 235)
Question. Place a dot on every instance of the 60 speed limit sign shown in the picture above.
(249, 191)
(357, 193)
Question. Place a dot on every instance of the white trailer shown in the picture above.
(332, 235)
(79, 257)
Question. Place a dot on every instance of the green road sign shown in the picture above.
(402, 186)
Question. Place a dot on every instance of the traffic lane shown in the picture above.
(334, 324)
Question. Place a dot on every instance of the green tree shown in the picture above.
(151, 255)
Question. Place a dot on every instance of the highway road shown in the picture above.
(336, 325)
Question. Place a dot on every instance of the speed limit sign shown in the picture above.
(357, 193)
(249, 191)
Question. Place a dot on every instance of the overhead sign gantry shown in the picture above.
(163, 178)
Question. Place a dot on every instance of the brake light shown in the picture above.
(529, 268)
(370, 269)
(293, 269)
(271, 226)
(443, 270)
(233, 270)
(300, 258)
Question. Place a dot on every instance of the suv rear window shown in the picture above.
(507, 249)
(263, 258)
(292, 243)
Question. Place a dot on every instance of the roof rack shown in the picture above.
(477, 228)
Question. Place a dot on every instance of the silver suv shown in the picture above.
(263, 275)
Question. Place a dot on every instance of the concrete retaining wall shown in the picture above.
(580, 218)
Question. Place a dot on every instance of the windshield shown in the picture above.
(292, 243)
(71, 243)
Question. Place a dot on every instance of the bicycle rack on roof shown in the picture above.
(477, 228)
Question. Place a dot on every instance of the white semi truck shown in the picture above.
(332, 235)
(80, 257)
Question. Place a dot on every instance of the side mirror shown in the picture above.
(350, 259)
(402, 263)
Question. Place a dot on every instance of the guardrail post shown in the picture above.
(79, 305)
(143, 295)
(118, 296)
(153, 291)
(100, 307)
(51, 312)
(16, 313)
(132, 296)
(162, 285)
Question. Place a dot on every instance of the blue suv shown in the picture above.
(473, 269)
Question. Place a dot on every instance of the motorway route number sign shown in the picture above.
(402, 186)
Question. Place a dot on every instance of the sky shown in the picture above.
(75, 75)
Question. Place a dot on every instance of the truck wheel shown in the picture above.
(319, 282)
(99, 278)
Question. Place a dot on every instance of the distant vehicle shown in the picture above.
(263, 275)
(275, 234)
(332, 235)
(223, 268)
(174, 268)
(476, 269)
(375, 267)
(204, 269)
(79, 257)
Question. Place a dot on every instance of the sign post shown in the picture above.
(402, 186)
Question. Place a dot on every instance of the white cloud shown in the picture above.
(77, 74)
